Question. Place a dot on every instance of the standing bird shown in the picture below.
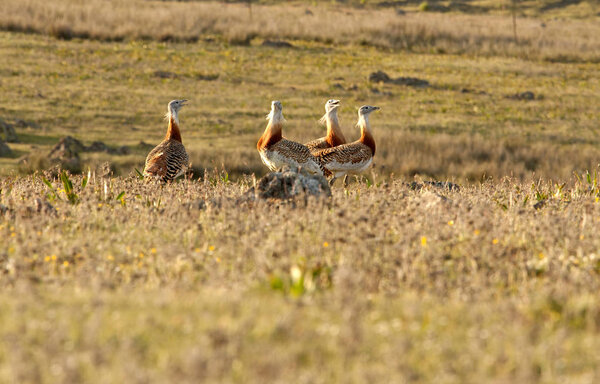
(353, 157)
(276, 151)
(334, 135)
(169, 159)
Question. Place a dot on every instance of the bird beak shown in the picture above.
(183, 102)
(376, 108)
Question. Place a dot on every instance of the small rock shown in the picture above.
(207, 76)
(123, 150)
(10, 136)
(277, 44)
(165, 74)
(308, 12)
(97, 146)
(400, 12)
(288, 184)
(527, 95)
(540, 204)
(382, 77)
(67, 148)
(25, 124)
(5, 150)
(469, 90)
(379, 77)
(411, 82)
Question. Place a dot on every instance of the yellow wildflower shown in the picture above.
(423, 241)
(451, 222)
(211, 248)
(495, 241)
(66, 263)
(325, 244)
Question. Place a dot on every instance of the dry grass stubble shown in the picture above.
(384, 283)
(556, 40)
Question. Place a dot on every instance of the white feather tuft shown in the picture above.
(323, 120)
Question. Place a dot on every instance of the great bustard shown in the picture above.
(354, 157)
(334, 135)
(276, 151)
(169, 159)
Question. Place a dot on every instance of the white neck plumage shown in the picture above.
(329, 118)
(173, 114)
(275, 118)
(363, 122)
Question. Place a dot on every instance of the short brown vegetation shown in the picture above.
(488, 34)
(106, 278)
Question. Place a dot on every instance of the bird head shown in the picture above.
(365, 110)
(276, 106)
(175, 105)
(276, 114)
(332, 104)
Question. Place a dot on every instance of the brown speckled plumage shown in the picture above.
(168, 159)
(276, 151)
(353, 157)
(350, 153)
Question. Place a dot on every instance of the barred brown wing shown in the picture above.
(167, 160)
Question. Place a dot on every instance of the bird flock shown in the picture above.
(330, 156)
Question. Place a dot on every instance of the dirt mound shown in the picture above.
(277, 44)
(10, 136)
(289, 184)
(69, 147)
(382, 77)
(527, 95)
(66, 152)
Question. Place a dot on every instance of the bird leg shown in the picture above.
(331, 181)
(346, 181)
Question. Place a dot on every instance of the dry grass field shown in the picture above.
(121, 280)
(185, 283)
(466, 125)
